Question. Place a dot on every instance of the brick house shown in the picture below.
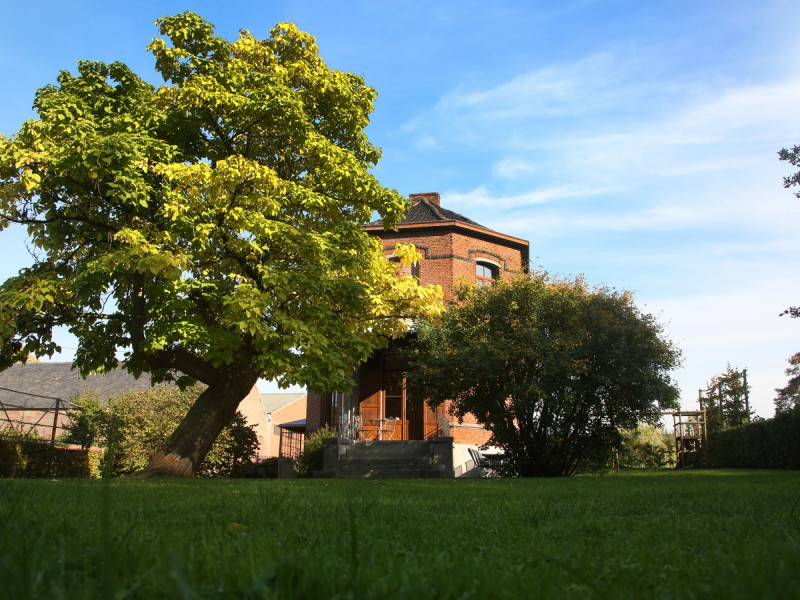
(454, 249)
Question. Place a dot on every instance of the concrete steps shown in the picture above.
(414, 459)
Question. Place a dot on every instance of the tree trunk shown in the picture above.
(188, 445)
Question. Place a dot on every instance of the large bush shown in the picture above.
(553, 368)
(132, 427)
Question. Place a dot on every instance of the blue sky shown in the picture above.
(633, 142)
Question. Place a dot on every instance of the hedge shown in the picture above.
(35, 458)
(769, 444)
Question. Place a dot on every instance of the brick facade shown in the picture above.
(451, 246)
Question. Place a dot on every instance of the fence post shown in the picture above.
(55, 423)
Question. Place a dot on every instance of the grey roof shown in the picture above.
(424, 211)
(274, 402)
(36, 385)
(299, 425)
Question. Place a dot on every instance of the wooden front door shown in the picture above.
(410, 418)
(388, 412)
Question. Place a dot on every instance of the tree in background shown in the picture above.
(553, 368)
(725, 400)
(133, 427)
(210, 230)
(788, 397)
(792, 156)
(646, 447)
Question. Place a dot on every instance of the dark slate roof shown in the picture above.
(424, 211)
(37, 385)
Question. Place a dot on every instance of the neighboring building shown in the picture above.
(266, 413)
(37, 395)
(454, 249)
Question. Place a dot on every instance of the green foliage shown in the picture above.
(88, 421)
(788, 397)
(766, 444)
(263, 469)
(646, 447)
(551, 367)
(728, 391)
(311, 458)
(792, 156)
(132, 427)
(210, 229)
(29, 456)
(221, 213)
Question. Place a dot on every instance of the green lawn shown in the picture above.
(699, 534)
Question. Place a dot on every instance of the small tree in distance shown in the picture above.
(725, 400)
(552, 367)
(646, 447)
(788, 397)
(792, 156)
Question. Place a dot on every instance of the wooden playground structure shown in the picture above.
(691, 438)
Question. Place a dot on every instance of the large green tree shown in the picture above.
(553, 368)
(208, 230)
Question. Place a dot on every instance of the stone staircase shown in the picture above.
(346, 459)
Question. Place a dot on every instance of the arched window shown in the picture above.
(486, 273)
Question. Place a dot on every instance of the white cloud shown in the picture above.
(481, 198)
(512, 168)
(582, 87)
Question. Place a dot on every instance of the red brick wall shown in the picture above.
(468, 431)
(449, 256)
(314, 410)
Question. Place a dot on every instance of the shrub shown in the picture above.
(88, 420)
(646, 447)
(264, 469)
(29, 456)
(311, 458)
(132, 427)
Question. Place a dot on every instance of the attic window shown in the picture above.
(486, 273)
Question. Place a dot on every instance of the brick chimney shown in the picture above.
(432, 197)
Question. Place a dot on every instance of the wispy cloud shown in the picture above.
(579, 88)
(601, 116)
(481, 198)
